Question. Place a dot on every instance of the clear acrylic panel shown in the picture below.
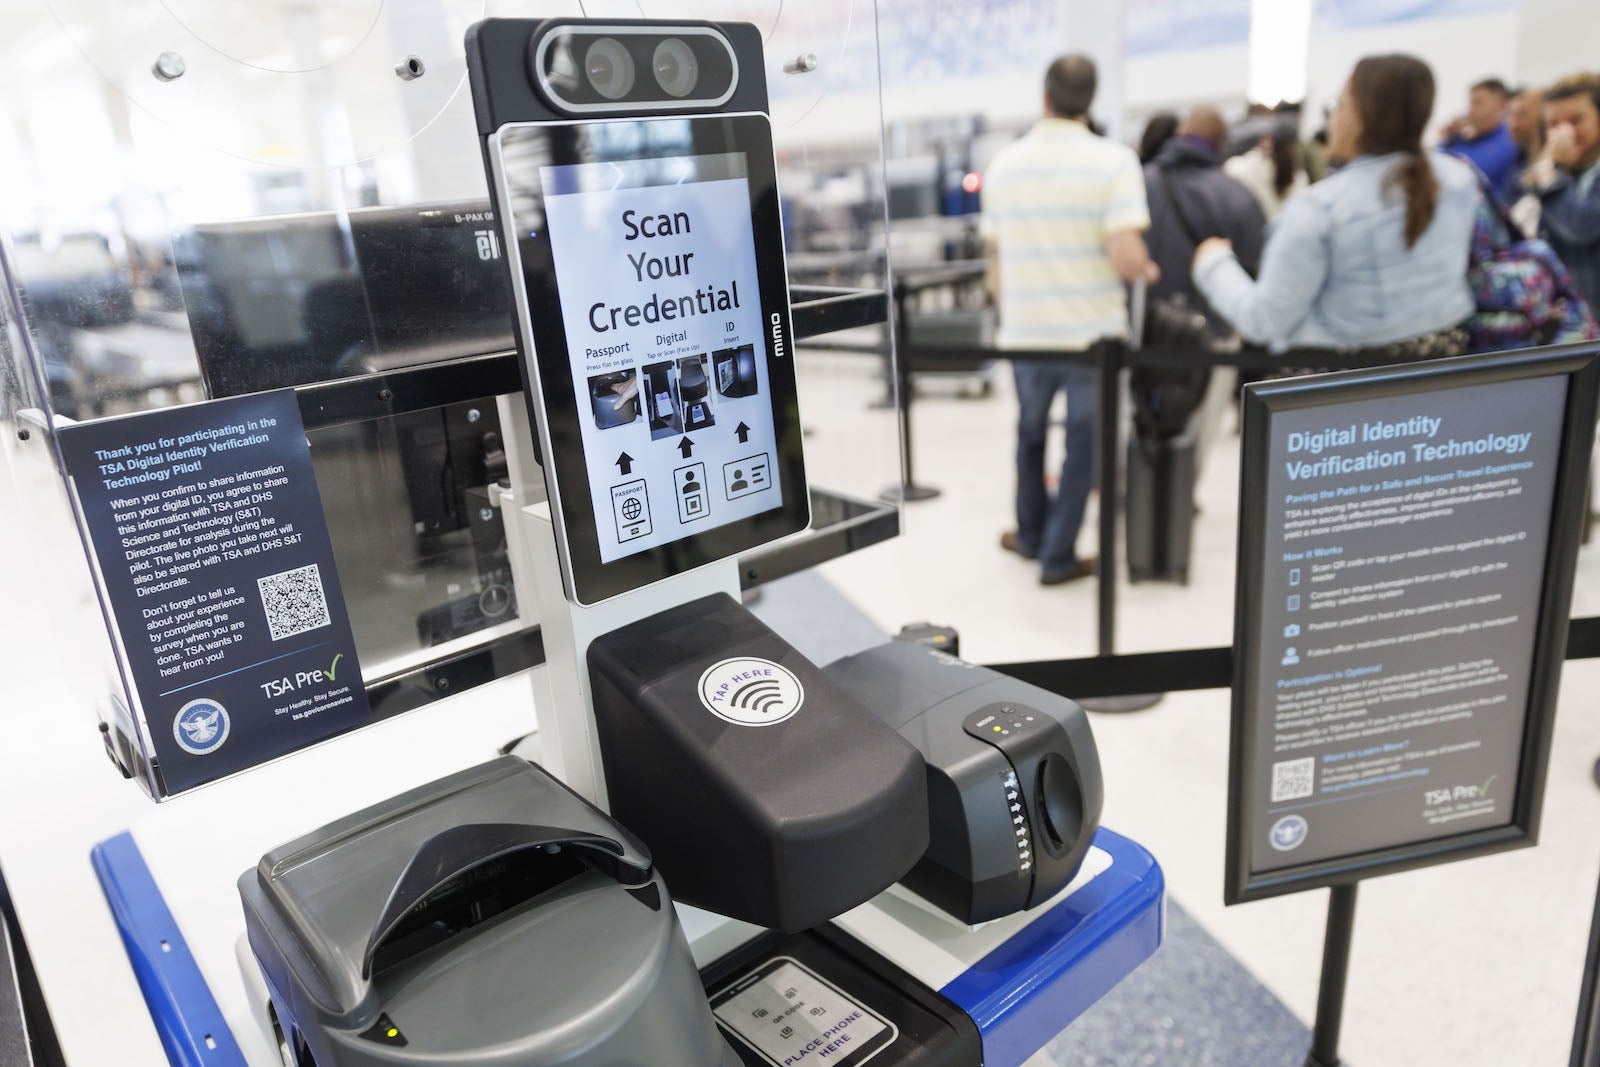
(208, 199)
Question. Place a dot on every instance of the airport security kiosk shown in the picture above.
(758, 789)
(632, 173)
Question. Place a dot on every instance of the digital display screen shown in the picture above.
(649, 271)
(786, 1013)
(656, 267)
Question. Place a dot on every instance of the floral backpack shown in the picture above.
(1525, 295)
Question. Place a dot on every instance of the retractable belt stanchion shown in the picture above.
(908, 489)
(1111, 364)
(1586, 1035)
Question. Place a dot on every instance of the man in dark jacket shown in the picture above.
(1192, 199)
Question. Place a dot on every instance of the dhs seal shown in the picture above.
(1289, 832)
(750, 691)
(201, 726)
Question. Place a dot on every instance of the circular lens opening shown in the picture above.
(677, 69)
(609, 67)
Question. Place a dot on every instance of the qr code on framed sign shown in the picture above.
(294, 601)
(1292, 779)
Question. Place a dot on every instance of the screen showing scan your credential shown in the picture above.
(656, 268)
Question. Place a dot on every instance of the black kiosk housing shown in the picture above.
(783, 825)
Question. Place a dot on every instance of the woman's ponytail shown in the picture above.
(1415, 178)
(1393, 96)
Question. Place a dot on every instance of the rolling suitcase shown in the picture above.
(1160, 507)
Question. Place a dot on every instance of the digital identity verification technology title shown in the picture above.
(1430, 449)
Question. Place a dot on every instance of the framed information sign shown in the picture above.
(1406, 552)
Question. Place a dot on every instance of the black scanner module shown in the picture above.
(1014, 786)
(764, 790)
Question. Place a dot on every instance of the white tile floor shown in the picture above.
(1470, 964)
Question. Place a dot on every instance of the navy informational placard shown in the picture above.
(1407, 542)
(213, 551)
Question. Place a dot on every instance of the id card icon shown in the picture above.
(745, 476)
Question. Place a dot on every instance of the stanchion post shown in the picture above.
(1110, 359)
(1586, 1036)
(908, 489)
(1110, 420)
(1335, 975)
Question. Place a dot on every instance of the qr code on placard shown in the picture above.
(1292, 779)
(294, 601)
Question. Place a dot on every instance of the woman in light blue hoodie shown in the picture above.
(1376, 252)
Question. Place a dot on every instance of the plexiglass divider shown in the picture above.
(204, 202)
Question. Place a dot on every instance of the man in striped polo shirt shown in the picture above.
(1063, 214)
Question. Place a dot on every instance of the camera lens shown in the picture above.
(610, 68)
(677, 69)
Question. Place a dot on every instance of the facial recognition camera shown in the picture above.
(614, 69)
(632, 172)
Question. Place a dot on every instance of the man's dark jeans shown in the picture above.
(1048, 525)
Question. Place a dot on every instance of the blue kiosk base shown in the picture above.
(1022, 980)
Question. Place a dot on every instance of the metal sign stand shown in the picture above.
(1586, 1035)
(1335, 974)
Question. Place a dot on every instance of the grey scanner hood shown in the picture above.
(491, 916)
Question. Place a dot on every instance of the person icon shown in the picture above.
(739, 484)
(691, 495)
(1290, 656)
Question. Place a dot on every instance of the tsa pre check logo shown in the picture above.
(201, 726)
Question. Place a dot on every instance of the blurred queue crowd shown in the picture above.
(1374, 234)
(1533, 173)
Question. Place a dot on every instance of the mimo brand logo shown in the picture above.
(750, 691)
(777, 336)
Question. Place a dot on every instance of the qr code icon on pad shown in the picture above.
(294, 601)
(1292, 779)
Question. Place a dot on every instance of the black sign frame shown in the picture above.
(1580, 363)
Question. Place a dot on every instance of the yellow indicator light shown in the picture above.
(392, 1032)
(997, 729)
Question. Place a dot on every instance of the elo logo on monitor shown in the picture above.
(632, 169)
